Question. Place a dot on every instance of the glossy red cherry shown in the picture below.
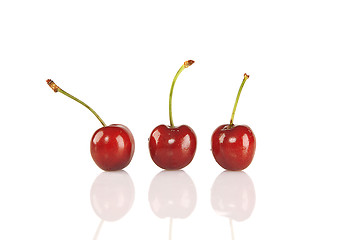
(112, 147)
(233, 146)
(171, 147)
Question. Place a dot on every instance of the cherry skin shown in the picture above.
(112, 147)
(233, 146)
(172, 148)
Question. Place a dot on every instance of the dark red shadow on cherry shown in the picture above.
(172, 148)
(112, 147)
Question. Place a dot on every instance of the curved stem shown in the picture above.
(98, 230)
(237, 98)
(58, 89)
(170, 228)
(231, 229)
(185, 65)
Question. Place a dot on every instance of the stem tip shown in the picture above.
(52, 85)
(246, 76)
(188, 63)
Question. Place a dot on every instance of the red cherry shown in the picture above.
(112, 147)
(233, 147)
(172, 148)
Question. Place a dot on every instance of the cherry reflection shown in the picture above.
(112, 195)
(233, 196)
(172, 194)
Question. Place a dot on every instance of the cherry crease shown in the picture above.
(172, 148)
(112, 147)
(233, 146)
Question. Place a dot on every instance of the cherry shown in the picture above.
(112, 147)
(171, 147)
(233, 146)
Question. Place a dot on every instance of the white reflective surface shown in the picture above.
(301, 100)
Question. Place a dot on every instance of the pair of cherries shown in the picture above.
(112, 147)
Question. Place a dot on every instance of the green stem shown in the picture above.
(185, 65)
(58, 89)
(237, 98)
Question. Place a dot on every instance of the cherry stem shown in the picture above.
(98, 230)
(231, 229)
(58, 89)
(170, 228)
(237, 98)
(185, 65)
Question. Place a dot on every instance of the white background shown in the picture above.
(301, 101)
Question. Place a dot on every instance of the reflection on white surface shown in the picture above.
(112, 195)
(172, 194)
(233, 195)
